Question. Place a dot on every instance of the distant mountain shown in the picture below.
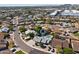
(64, 6)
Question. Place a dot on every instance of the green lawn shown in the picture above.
(20, 52)
(76, 34)
(65, 50)
(68, 51)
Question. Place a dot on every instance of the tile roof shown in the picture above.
(75, 45)
(2, 41)
(58, 42)
(1, 36)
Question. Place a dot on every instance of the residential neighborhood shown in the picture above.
(39, 29)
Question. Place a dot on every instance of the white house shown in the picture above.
(43, 39)
(30, 31)
(5, 29)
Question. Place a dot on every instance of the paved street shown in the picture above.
(19, 42)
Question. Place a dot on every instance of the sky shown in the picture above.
(28, 4)
(34, 2)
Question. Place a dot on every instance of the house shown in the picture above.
(58, 43)
(56, 28)
(8, 18)
(64, 24)
(73, 29)
(30, 31)
(3, 42)
(30, 17)
(75, 45)
(5, 29)
(43, 39)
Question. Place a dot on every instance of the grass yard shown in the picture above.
(20, 52)
(76, 34)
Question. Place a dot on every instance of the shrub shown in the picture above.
(22, 29)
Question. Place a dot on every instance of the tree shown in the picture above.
(22, 29)
(37, 28)
(0, 26)
(10, 27)
(53, 34)
(0, 23)
(43, 19)
(59, 50)
(49, 21)
(42, 45)
(6, 35)
(31, 35)
(11, 44)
